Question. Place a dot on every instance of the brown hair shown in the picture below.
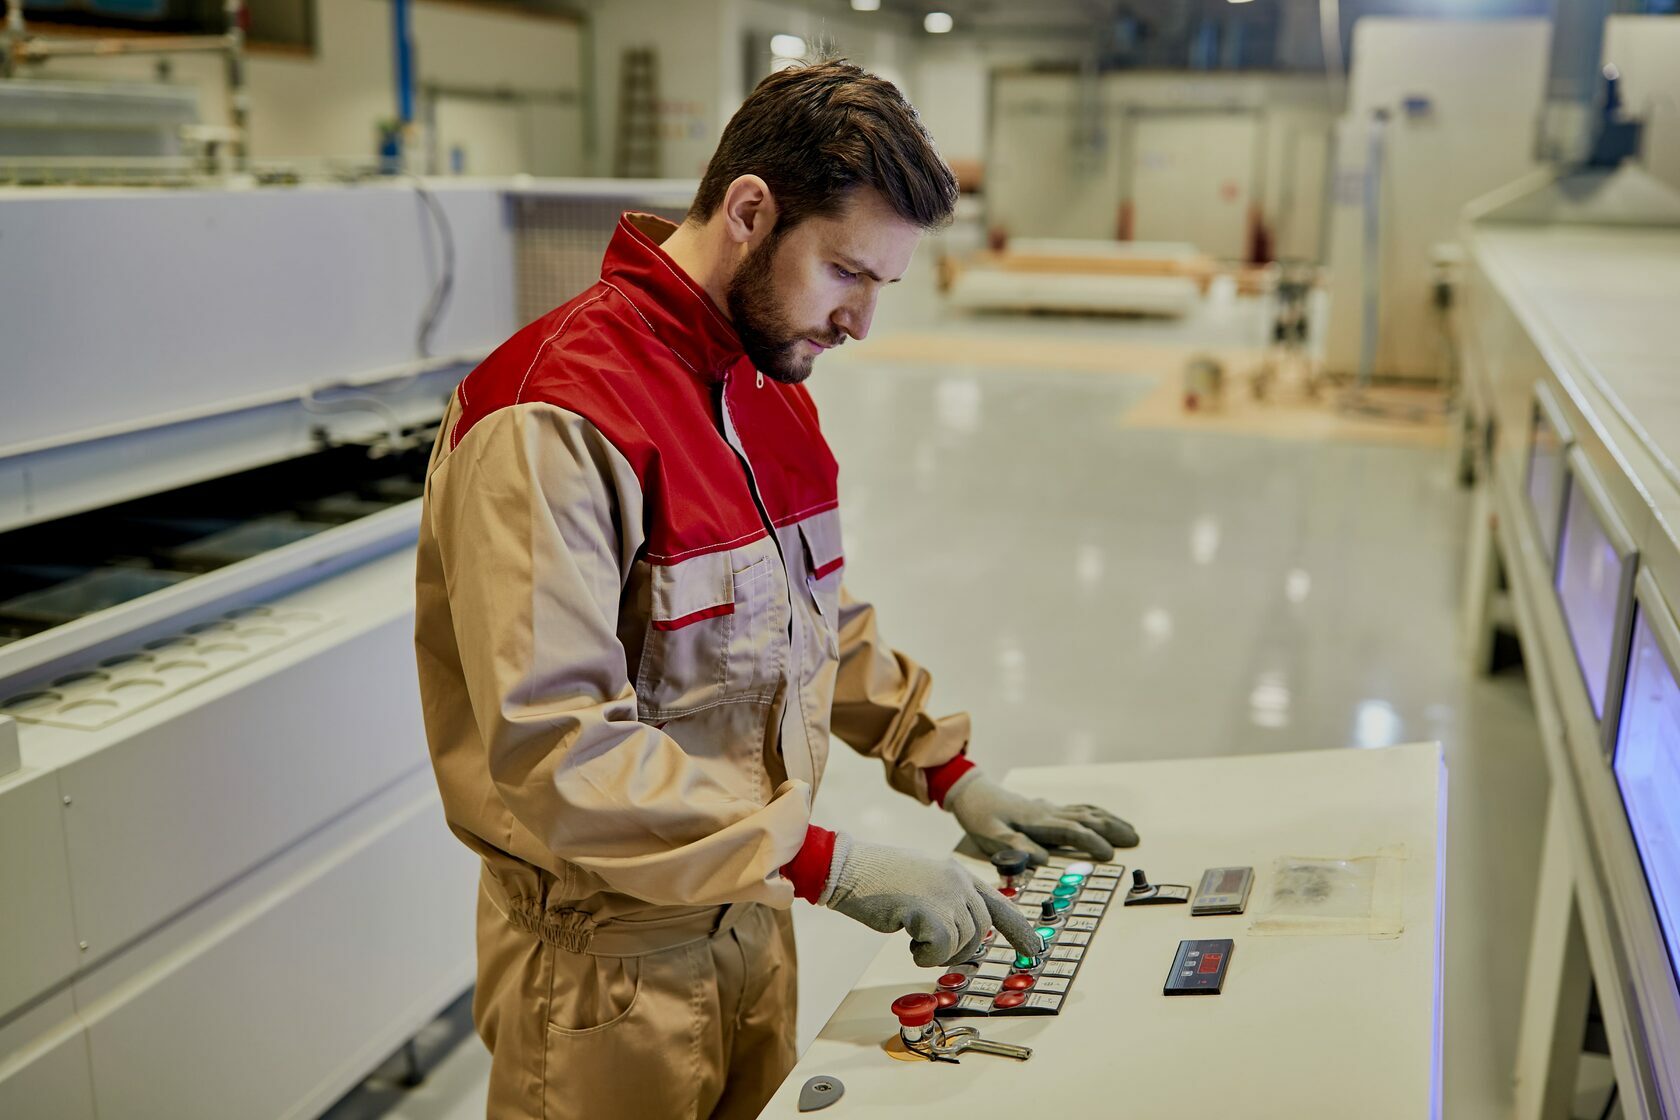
(816, 132)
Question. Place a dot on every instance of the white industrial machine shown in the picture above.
(1571, 345)
(226, 885)
(1423, 95)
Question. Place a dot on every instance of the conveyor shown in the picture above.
(226, 885)
(1571, 344)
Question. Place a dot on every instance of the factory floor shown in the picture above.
(1096, 590)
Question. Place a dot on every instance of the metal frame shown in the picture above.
(1546, 409)
(1580, 474)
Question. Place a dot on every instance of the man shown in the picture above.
(634, 643)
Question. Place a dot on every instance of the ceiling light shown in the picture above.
(936, 23)
(866, 5)
(787, 46)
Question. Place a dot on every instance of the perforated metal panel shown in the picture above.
(560, 238)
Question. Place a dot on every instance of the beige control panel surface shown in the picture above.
(1308, 1024)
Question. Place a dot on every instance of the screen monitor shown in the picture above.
(1647, 763)
(1548, 441)
(1594, 578)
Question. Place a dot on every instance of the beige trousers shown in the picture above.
(701, 1031)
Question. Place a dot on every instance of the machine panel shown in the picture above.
(1594, 580)
(1548, 478)
(1647, 762)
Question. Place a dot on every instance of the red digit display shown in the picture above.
(1210, 962)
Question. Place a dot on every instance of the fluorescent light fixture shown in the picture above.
(866, 5)
(1239, 1)
(936, 23)
(787, 46)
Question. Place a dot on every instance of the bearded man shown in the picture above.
(634, 640)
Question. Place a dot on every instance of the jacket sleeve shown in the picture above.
(537, 518)
(879, 698)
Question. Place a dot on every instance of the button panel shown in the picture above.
(1079, 893)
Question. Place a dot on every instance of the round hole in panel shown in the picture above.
(89, 707)
(29, 701)
(137, 686)
(125, 659)
(249, 612)
(209, 627)
(82, 677)
(171, 643)
(183, 665)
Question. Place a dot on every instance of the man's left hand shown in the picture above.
(996, 819)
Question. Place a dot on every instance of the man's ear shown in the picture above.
(749, 211)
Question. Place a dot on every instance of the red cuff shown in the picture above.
(941, 778)
(808, 869)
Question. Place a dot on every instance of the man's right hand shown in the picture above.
(945, 910)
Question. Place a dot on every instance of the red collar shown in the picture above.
(674, 307)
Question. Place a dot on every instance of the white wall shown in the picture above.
(329, 104)
(1646, 49)
(1059, 165)
(699, 75)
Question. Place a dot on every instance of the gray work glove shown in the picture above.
(945, 910)
(996, 819)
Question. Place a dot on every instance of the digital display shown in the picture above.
(1648, 771)
(1589, 584)
(1546, 478)
(1229, 883)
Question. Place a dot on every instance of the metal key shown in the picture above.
(973, 1042)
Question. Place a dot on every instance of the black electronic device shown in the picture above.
(1199, 968)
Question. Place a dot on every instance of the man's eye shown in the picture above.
(843, 274)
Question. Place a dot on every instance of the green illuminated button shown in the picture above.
(1061, 903)
(1046, 933)
(1024, 961)
(1071, 880)
(1065, 891)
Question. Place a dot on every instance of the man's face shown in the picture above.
(806, 290)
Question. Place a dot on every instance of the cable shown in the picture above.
(446, 282)
(1611, 1102)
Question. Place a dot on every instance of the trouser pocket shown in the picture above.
(624, 1033)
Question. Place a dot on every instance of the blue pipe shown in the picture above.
(404, 61)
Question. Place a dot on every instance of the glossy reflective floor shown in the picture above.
(1092, 593)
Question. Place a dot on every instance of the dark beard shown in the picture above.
(773, 344)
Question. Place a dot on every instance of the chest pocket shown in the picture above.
(825, 565)
(708, 619)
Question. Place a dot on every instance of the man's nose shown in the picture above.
(855, 318)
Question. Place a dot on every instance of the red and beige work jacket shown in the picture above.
(632, 634)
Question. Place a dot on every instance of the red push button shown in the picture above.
(916, 1009)
(1007, 892)
(1009, 999)
(953, 981)
(1018, 982)
(945, 999)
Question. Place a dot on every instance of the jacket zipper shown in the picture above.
(725, 423)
